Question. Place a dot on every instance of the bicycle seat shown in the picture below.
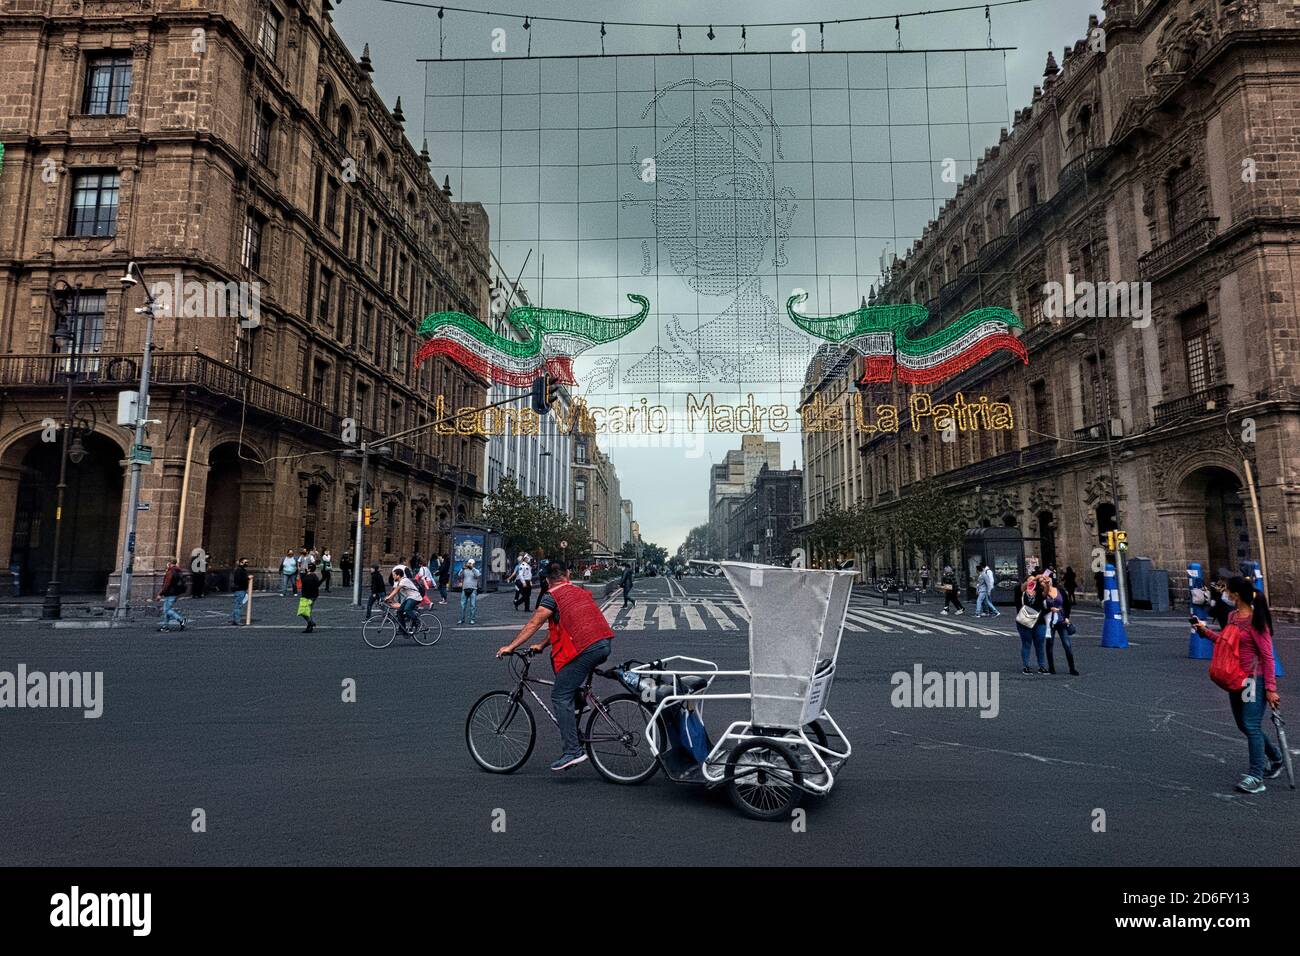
(692, 683)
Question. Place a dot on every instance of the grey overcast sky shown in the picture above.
(669, 485)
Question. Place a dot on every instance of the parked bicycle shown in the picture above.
(500, 730)
(382, 629)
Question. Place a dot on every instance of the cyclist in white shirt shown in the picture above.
(404, 595)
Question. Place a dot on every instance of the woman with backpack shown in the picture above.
(1031, 622)
(1243, 653)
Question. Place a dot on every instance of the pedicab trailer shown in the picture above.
(790, 745)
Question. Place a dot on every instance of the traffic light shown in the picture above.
(365, 519)
(542, 395)
(1110, 540)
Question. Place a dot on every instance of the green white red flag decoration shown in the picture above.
(554, 338)
(879, 332)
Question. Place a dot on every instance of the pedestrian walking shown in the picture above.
(239, 591)
(1059, 605)
(301, 561)
(523, 578)
(310, 592)
(1031, 622)
(444, 578)
(417, 561)
(326, 568)
(376, 588)
(985, 583)
(1250, 628)
(468, 592)
(199, 576)
(1099, 581)
(1071, 584)
(949, 584)
(925, 577)
(424, 577)
(288, 572)
(625, 582)
(173, 586)
(346, 566)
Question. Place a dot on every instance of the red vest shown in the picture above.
(581, 623)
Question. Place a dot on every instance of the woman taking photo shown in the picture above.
(1031, 622)
(1254, 629)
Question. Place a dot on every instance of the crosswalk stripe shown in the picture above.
(664, 618)
(850, 626)
(726, 623)
(905, 619)
(949, 622)
(868, 621)
(636, 620)
(692, 617)
(737, 609)
(610, 611)
(859, 616)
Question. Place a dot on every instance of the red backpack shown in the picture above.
(1225, 665)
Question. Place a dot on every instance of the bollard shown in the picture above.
(1113, 633)
(248, 604)
(1198, 648)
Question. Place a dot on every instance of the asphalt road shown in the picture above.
(249, 725)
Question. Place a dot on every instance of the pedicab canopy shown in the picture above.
(796, 617)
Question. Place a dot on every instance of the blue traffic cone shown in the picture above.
(1198, 648)
(1113, 633)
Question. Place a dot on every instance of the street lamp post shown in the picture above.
(131, 277)
(1110, 461)
(52, 608)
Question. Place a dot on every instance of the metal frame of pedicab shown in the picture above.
(811, 700)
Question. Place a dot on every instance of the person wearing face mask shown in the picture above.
(1251, 623)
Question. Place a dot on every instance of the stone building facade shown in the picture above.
(240, 155)
(764, 523)
(1163, 150)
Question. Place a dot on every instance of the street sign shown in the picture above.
(142, 506)
(142, 454)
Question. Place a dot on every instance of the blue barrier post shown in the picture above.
(1113, 633)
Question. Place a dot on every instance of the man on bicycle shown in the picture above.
(405, 595)
(580, 640)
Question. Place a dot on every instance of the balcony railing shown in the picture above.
(1076, 169)
(199, 371)
(1205, 402)
(1168, 254)
(1024, 219)
(990, 251)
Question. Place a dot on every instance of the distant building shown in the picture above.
(762, 523)
(731, 479)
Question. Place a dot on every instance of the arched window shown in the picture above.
(1029, 186)
(326, 111)
(345, 125)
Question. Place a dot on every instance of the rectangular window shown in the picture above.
(346, 238)
(341, 321)
(319, 373)
(108, 84)
(268, 32)
(331, 203)
(316, 195)
(372, 240)
(367, 324)
(83, 316)
(1200, 367)
(326, 288)
(362, 402)
(383, 263)
(94, 204)
(250, 252)
(1042, 410)
(263, 122)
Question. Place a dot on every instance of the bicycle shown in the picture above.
(500, 730)
(380, 631)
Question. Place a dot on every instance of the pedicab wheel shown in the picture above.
(429, 631)
(379, 631)
(500, 732)
(763, 779)
(617, 743)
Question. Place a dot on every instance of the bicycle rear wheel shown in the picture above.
(429, 631)
(616, 740)
(500, 732)
(379, 631)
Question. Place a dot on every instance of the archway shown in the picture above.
(221, 506)
(92, 509)
(1223, 538)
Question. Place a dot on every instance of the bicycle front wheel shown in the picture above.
(429, 631)
(616, 740)
(500, 732)
(379, 631)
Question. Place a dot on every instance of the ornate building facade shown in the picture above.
(241, 156)
(1161, 153)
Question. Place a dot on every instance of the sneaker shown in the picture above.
(569, 760)
(460, 622)
(1042, 670)
(944, 611)
(961, 610)
(1027, 671)
(1073, 672)
(1250, 784)
(1275, 769)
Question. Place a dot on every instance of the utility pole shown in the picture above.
(131, 277)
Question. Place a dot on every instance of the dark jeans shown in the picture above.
(325, 579)
(1064, 635)
(567, 683)
(1032, 637)
(375, 598)
(950, 597)
(627, 594)
(1249, 715)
